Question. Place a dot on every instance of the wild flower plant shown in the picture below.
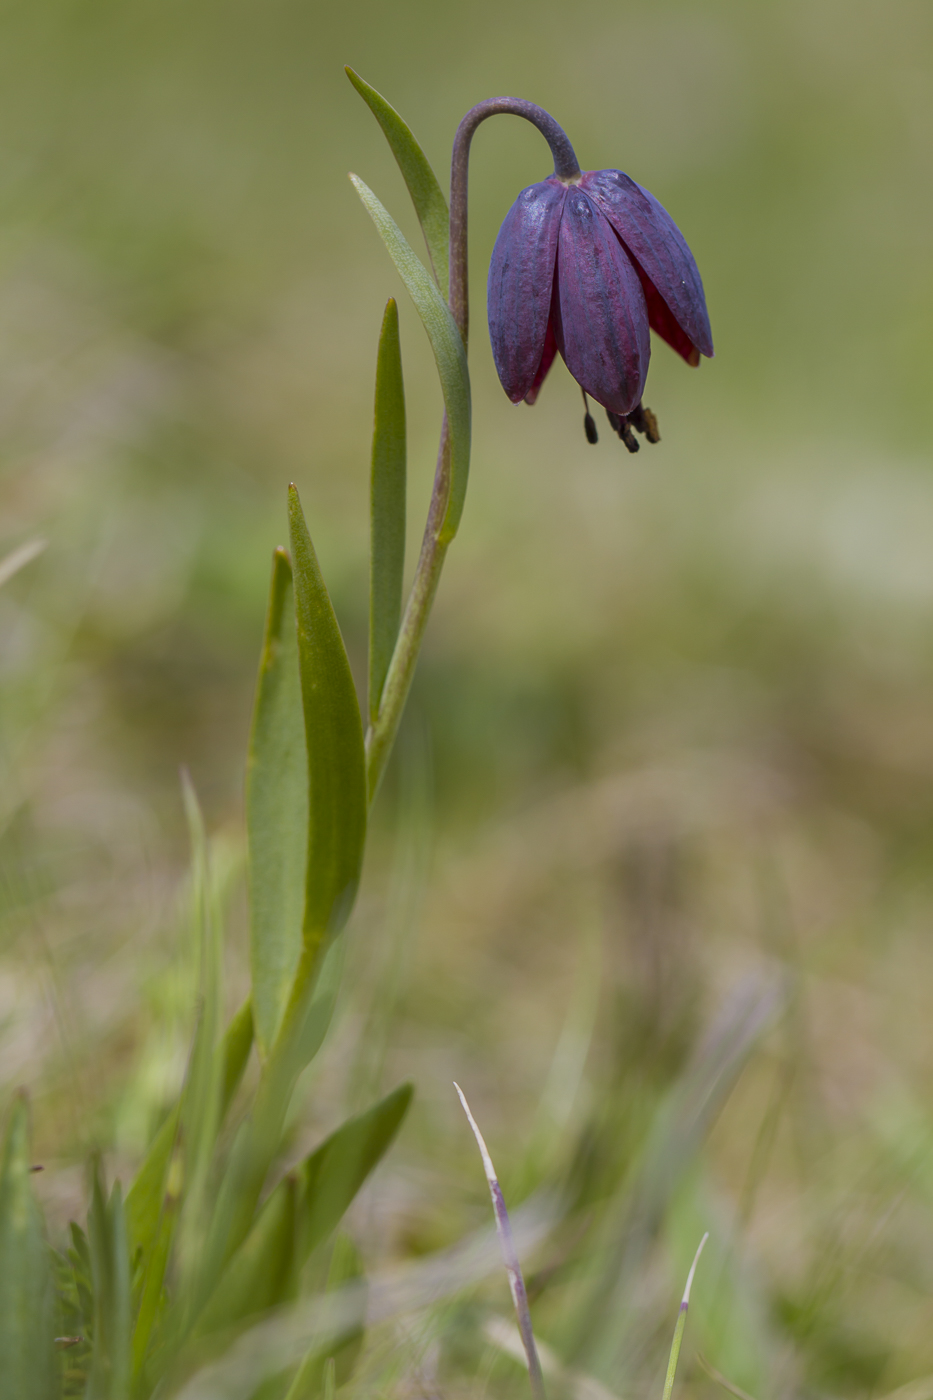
(176, 1287)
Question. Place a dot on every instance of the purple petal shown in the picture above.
(521, 279)
(547, 359)
(660, 252)
(602, 328)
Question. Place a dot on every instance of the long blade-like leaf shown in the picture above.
(334, 1173)
(446, 342)
(202, 1101)
(336, 760)
(152, 1207)
(509, 1256)
(300, 1213)
(145, 1197)
(258, 1275)
(430, 204)
(110, 1371)
(681, 1324)
(27, 1361)
(276, 812)
(387, 507)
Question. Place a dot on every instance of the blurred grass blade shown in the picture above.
(681, 1324)
(510, 1257)
(446, 342)
(334, 1173)
(18, 558)
(110, 1265)
(276, 812)
(430, 204)
(28, 1365)
(737, 1390)
(387, 507)
(145, 1198)
(152, 1203)
(201, 1104)
(324, 1368)
(680, 1124)
(336, 761)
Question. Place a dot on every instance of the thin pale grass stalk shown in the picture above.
(510, 1258)
(579, 1385)
(681, 1323)
(720, 1379)
(18, 559)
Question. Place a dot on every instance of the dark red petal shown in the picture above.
(547, 359)
(659, 250)
(521, 279)
(602, 326)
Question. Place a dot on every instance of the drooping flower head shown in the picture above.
(585, 267)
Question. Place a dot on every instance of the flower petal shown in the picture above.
(659, 250)
(547, 359)
(602, 327)
(521, 279)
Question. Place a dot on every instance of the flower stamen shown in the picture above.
(589, 422)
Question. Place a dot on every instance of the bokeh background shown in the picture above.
(651, 876)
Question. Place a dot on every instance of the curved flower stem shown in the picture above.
(381, 734)
(566, 168)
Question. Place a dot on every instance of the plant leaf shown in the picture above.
(430, 204)
(276, 812)
(152, 1202)
(144, 1199)
(202, 1100)
(335, 755)
(446, 342)
(333, 1174)
(110, 1267)
(27, 1361)
(300, 1213)
(387, 507)
(258, 1275)
(681, 1324)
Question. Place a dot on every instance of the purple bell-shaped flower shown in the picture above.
(585, 267)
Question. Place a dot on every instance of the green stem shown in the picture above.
(381, 733)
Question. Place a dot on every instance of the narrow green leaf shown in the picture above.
(201, 1105)
(336, 835)
(152, 1206)
(260, 1273)
(299, 1214)
(387, 507)
(681, 1324)
(234, 1051)
(335, 754)
(145, 1198)
(446, 342)
(430, 204)
(110, 1266)
(332, 1175)
(276, 812)
(28, 1364)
